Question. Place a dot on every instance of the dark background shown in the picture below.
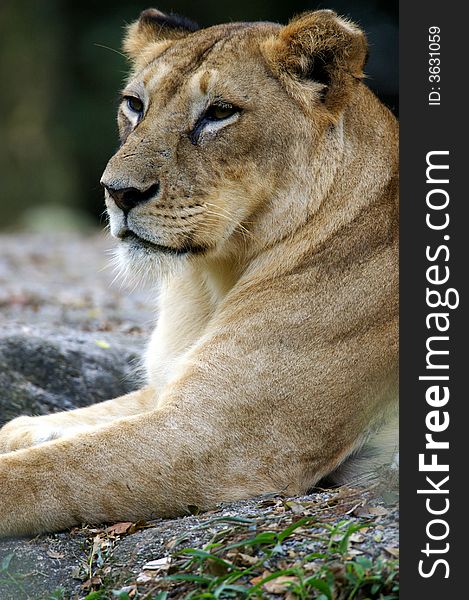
(59, 92)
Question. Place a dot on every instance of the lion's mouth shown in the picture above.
(136, 240)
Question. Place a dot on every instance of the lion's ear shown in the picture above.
(318, 51)
(155, 26)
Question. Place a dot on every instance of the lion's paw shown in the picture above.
(24, 432)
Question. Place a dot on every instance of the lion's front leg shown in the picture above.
(155, 464)
(25, 431)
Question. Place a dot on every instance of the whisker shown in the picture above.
(238, 226)
(230, 216)
(111, 49)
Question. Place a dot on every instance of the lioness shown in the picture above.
(257, 181)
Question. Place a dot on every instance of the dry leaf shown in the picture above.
(158, 564)
(127, 527)
(295, 507)
(119, 528)
(378, 510)
(54, 554)
(279, 585)
(93, 582)
(370, 511)
(246, 559)
(216, 568)
(392, 551)
(354, 552)
(171, 544)
(311, 567)
(259, 578)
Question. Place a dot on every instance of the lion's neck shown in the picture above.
(349, 169)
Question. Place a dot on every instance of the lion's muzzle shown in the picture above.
(127, 198)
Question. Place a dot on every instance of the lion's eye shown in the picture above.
(134, 104)
(213, 119)
(219, 112)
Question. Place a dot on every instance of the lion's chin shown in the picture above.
(186, 247)
(136, 241)
(140, 263)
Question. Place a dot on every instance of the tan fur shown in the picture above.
(274, 360)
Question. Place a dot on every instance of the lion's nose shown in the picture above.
(127, 198)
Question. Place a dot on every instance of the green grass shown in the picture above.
(280, 554)
(287, 557)
(215, 572)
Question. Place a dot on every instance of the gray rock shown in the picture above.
(43, 370)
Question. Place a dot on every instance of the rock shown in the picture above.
(44, 370)
(30, 570)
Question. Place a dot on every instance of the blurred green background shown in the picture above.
(60, 73)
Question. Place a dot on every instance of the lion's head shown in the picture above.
(221, 125)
